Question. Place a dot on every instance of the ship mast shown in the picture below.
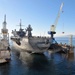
(20, 24)
(4, 23)
(29, 29)
(4, 30)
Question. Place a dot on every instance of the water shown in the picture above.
(65, 40)
(42, 64)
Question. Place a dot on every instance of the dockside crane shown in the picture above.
(53, 27)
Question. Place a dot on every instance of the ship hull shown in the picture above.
(33, 45)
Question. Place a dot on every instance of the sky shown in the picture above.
(40, 14)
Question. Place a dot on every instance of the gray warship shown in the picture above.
(35, 44)
(29, 43)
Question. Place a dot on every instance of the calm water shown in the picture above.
(45, 64)
(65, 40)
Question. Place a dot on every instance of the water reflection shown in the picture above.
(24, 63)
(37, 64)
(34, 61)
(54, 64)
(4, 69)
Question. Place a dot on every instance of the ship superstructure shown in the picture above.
(4, 43)
(33, 44)
(21, 33)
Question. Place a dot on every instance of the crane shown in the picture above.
(53, 27)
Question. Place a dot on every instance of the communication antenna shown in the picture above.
(63, 29)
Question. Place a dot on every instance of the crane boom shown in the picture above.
(53, 27)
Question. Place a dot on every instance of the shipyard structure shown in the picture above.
(4, 43)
